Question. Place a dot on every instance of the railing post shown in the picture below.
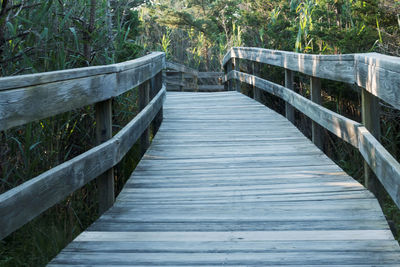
(255, 68)
(182, 87)
(196, 83)
(228, 68)
(289, 110)
(156, 85)
(370, 113)
(105, 182)
(235, 63)
(144, 95)
(315, 88)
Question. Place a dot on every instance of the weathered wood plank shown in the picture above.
(236, 67)
(211, 190)
(383, 164)
(316, 97)
(105, 182)
(32, 97)
(230, 236)
(181, 68)
(204, 226)
(241, 258)
(20, 81)
(378, 74)
(211, 87)
(234, 246)
(23, 203)
(350, 131)
(370, 112)
(333, 67)
(228, 68)
(289, 110)
(144, 98)
(341, 126)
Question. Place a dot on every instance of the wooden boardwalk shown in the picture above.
(227, 181)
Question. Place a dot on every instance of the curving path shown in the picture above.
(227, 181)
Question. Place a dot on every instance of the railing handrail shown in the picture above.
(23, 203)
(181, 68)
(380, 67)
(378, 74)
(27, 98)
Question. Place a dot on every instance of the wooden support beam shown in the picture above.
(370, 112)
(235, 63)
(317, 131)
(182, 78)
(105, 182)
(156, 84)
(144, 97)
(227, 69)
(289, 110)
(255, 67)
(196, 83)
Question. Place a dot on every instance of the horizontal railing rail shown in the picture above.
(27, 98)
(182, 78)
(377, 75)
(32, 97)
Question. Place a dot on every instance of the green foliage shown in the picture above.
(42, 35)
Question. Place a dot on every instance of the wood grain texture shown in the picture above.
(333, 67)
(192, 82)
(105, 182)
(23, 203)
(370, 113)
(236, 67)
(341, 126)
(227, 181)
(378, 158)
(181, 68)
(289, 83)
(316, 97)
(144, 98)
(383, 164)
(28, 98)
(378, 74)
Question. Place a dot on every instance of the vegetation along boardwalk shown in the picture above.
(227, 181)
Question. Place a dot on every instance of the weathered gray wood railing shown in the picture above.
(182, 78)
(377, 75)
(32, 97)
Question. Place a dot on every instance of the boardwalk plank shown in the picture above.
(227, 181)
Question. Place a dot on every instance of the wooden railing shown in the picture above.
(377, 76)
(32, 97)
(182, 78)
